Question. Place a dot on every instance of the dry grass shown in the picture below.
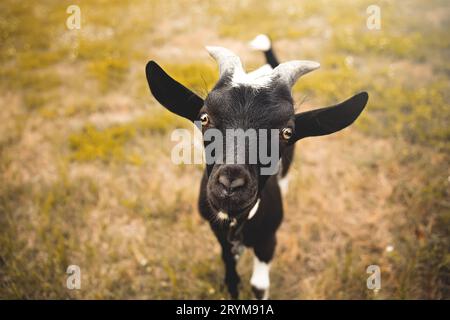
(85, 170)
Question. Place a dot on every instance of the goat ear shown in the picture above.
(172, 94)
(327, 120)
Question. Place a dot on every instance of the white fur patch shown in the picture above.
(222, 215)
(254, 209)
(262, 71)
(254, 79)
(260, 42)
(284, 184)
(260, 276)
(230, 63)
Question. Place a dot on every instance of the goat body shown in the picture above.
(242, 204)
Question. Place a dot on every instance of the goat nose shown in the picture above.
(231, 185)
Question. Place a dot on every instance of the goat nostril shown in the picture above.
(236, 183)
(224, 181)
(230, 186)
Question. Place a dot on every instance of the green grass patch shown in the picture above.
(425, 239)
(334, 80)
(197, 76)
(92, 143)
(420, 115)
(36, 252)
(109, 144)
(380, 43)
(280, 20)
(109, 72)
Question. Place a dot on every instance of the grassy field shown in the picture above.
(85, 170)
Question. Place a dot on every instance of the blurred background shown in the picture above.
(86, 176)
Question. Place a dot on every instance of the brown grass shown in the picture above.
(86, 176)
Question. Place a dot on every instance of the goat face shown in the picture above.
(242, 101)
(260, 118)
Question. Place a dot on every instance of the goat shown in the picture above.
(243, 206)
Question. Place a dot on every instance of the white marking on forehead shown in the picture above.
(230, 63)
(253, 210)
(255, 80)
(287, 72)
(260, 77)
(262, 71)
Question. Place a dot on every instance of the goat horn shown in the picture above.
(290, 71)
(228, 61)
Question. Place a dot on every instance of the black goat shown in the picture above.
(242, 203)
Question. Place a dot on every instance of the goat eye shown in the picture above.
(204, 119)
(286, 133)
